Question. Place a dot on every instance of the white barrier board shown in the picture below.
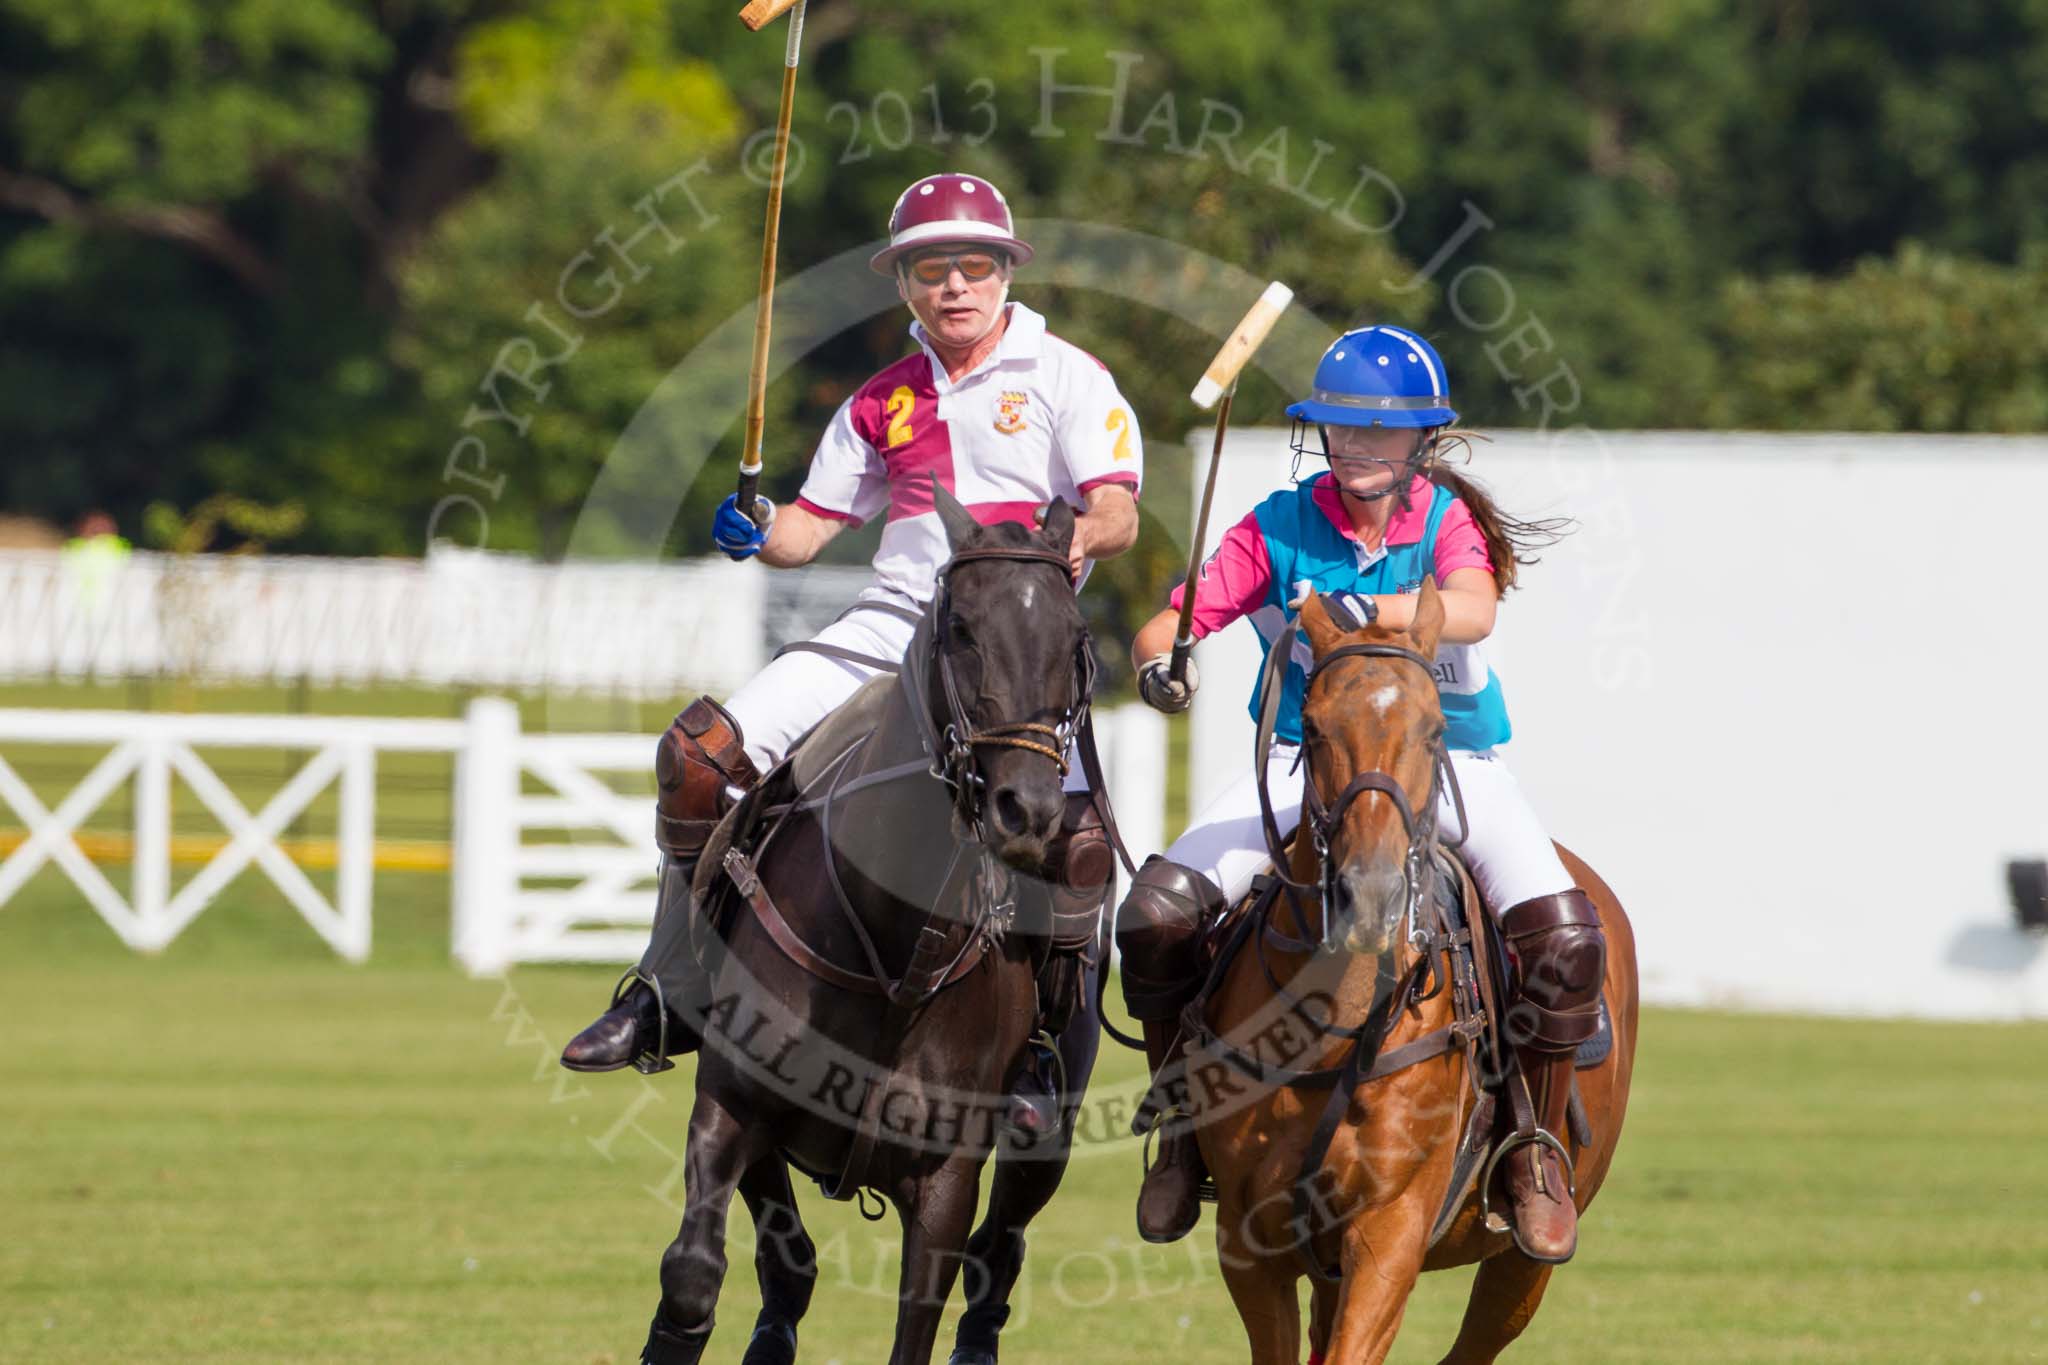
(1781, 691)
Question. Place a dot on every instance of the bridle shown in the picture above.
(953, 744)
(1322, 818)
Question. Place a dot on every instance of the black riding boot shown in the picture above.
(1032, 1113)
(1169, 1200)
(1159, 929)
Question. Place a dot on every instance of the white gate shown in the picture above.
(506, 838)
(147, 749)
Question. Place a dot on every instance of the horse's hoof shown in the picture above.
(971, 1356)
(773, 1343)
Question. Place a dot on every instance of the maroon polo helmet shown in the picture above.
(952, 207)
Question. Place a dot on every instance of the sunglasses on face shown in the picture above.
(974, 266)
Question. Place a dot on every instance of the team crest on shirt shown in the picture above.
(1010, 411)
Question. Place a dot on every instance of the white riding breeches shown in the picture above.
(1510, 855)
(780, 704)
(793, 693)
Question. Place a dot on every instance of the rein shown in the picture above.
(1393, 991)
(948, 755)
(1321, 819)
(952, 748)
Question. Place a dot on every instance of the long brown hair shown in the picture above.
(1509, 540)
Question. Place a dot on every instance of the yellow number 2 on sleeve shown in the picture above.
(1120, 423)
(901, 404)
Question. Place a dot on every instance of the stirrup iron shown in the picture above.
(1514, 1142)
(648, 1063)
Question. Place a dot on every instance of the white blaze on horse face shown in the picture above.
(1030, 597)
(1383, 700)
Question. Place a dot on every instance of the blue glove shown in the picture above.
(734, 532)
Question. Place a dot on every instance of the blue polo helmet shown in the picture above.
(1379, 377)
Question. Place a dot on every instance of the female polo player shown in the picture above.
(1382, 517)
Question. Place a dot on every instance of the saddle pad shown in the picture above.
(1594, 1050)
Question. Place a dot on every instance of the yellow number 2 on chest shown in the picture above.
(1120, 423)
(901, 404)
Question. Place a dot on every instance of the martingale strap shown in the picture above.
(1430, 933)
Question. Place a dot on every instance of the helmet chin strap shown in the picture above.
(995, 315)
(1413, 465)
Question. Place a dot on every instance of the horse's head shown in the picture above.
(1010, 672)
(1372, 727)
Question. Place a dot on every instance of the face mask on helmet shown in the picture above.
(1350, 445)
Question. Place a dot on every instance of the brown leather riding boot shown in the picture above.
(699, 763)
(1169, 1200)
(1545, 1218)
(1560, 954)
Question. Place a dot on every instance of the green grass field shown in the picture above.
(244, 1150)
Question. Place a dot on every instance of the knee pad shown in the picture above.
(1080, 862)
(1159, 933)
(701, 755)
(1080, 857)
(1562, 953)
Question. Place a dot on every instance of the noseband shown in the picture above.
(1323, 819)
(953, 746)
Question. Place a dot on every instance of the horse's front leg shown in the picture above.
(1024, 1182)
(1261, 1276)
(785, 1261)
(1383, 1251)
(720, 1149)
(937, 1211)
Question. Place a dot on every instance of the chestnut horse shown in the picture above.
(1380, 1208)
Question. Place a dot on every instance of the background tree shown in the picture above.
(275, 248)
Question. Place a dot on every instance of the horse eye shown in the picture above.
(957, 628)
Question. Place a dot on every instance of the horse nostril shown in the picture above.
(1011, 817)
(1344, 900)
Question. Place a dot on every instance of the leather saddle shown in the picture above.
(1470, 960)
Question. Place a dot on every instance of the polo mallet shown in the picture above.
(755, 16)
(1220, 381)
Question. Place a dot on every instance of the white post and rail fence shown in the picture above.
(552, 855)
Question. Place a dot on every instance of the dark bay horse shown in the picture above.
(872, 998)
(1389, 1197)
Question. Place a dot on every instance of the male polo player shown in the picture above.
(1008, 417)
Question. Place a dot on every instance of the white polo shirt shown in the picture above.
(1039, 419)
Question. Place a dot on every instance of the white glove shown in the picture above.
(1158, 689)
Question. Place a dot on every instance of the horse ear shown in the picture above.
(1059, 525)
(1429, 618)
(958, 522)
(1324, 634)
